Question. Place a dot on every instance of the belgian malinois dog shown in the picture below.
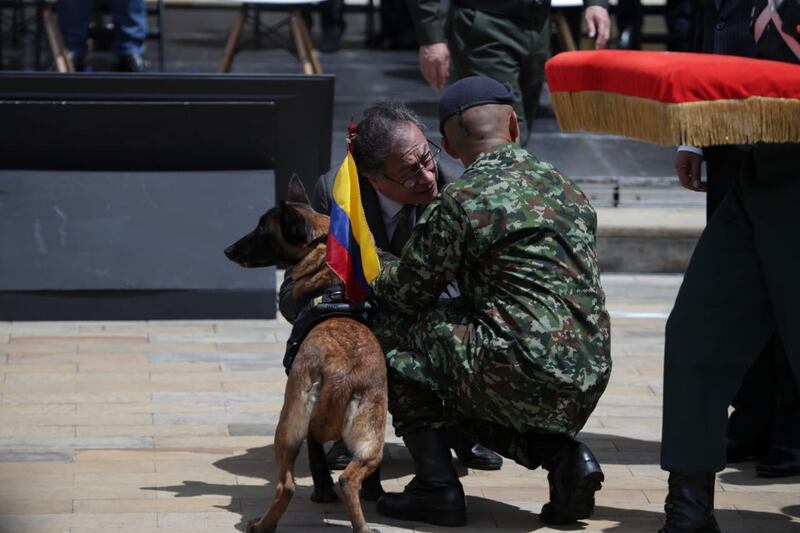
(337, 384)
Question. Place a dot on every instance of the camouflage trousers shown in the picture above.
(447, 370)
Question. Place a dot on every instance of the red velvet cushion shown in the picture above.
(672, 77)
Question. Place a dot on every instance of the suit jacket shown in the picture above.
(321, 198)
(723, 27)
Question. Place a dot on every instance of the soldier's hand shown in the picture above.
(598, 25)
(687, 166)
(434, 62)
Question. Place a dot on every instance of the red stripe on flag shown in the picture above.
(340, 261)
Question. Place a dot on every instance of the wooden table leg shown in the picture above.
(233, 41)
(56, 42)
(306, 53)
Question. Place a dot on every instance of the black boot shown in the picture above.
(690, 504)
(473, 455)
(338, 456)
(435, 495)
(574, 476)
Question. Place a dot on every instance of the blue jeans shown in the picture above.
(130, 25)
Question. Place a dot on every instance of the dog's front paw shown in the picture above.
(324, 494)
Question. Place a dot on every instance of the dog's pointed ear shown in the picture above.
(295, 227)
(297, 193)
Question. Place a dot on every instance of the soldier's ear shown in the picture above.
(297, 192)
(513, 127)
(449, 148)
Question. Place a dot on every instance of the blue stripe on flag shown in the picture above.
(342, 231)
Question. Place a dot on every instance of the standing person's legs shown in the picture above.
(73, 19)
(738, 288)
(498, 47)
(774, 193)
(783, 456)
(130, 27)
(721, 320)
(749, 426)
(532, 76)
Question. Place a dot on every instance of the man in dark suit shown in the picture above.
(738, 292)
(767, 407)
(398, 178)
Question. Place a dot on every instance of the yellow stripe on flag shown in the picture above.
(347, 194)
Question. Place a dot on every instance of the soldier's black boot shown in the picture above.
(435, 495)
(690, 504)
(574, 476)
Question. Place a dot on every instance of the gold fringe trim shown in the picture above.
(695, 123)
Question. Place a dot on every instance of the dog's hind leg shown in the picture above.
(363, 434)
(349, 483)
(289, 435)
(323, 483)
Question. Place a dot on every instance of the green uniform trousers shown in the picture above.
(740, 288)
(432, 383)
(509, 50)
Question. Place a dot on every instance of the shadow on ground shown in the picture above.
(251, 500)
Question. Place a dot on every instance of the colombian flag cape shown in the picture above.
(351, 252)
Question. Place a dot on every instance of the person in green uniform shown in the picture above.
(519, 360)
(738, 292)
(507, 40)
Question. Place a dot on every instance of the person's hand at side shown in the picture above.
(598, 25)
(687, 166)
(434, 62)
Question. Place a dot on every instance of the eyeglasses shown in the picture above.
(426, 162)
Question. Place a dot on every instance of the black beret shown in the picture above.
(471, 92)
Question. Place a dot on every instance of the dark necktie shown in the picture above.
(405, 223)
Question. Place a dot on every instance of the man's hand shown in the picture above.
(598, 25)
(687, 165)
(434, 62)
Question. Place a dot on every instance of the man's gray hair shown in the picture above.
(375, 133)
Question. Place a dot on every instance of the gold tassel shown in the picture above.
(704, 123)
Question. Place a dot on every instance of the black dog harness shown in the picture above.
(329, 303)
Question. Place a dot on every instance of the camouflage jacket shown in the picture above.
(519, 238)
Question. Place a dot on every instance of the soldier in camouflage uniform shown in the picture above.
(520, 360)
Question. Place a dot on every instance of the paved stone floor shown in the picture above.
(167, 426)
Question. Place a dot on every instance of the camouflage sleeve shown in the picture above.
(430, 260)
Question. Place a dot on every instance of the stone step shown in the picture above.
(653, 239)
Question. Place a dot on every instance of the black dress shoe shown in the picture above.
(338, 457)
(574, 476)
(473, 455)
(780, 461)
(690, 504)
(737, 451)
(131, 63)
(435, 495)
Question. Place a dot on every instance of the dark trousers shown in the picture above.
(511, 50)
(767, 406)
(739, 290)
